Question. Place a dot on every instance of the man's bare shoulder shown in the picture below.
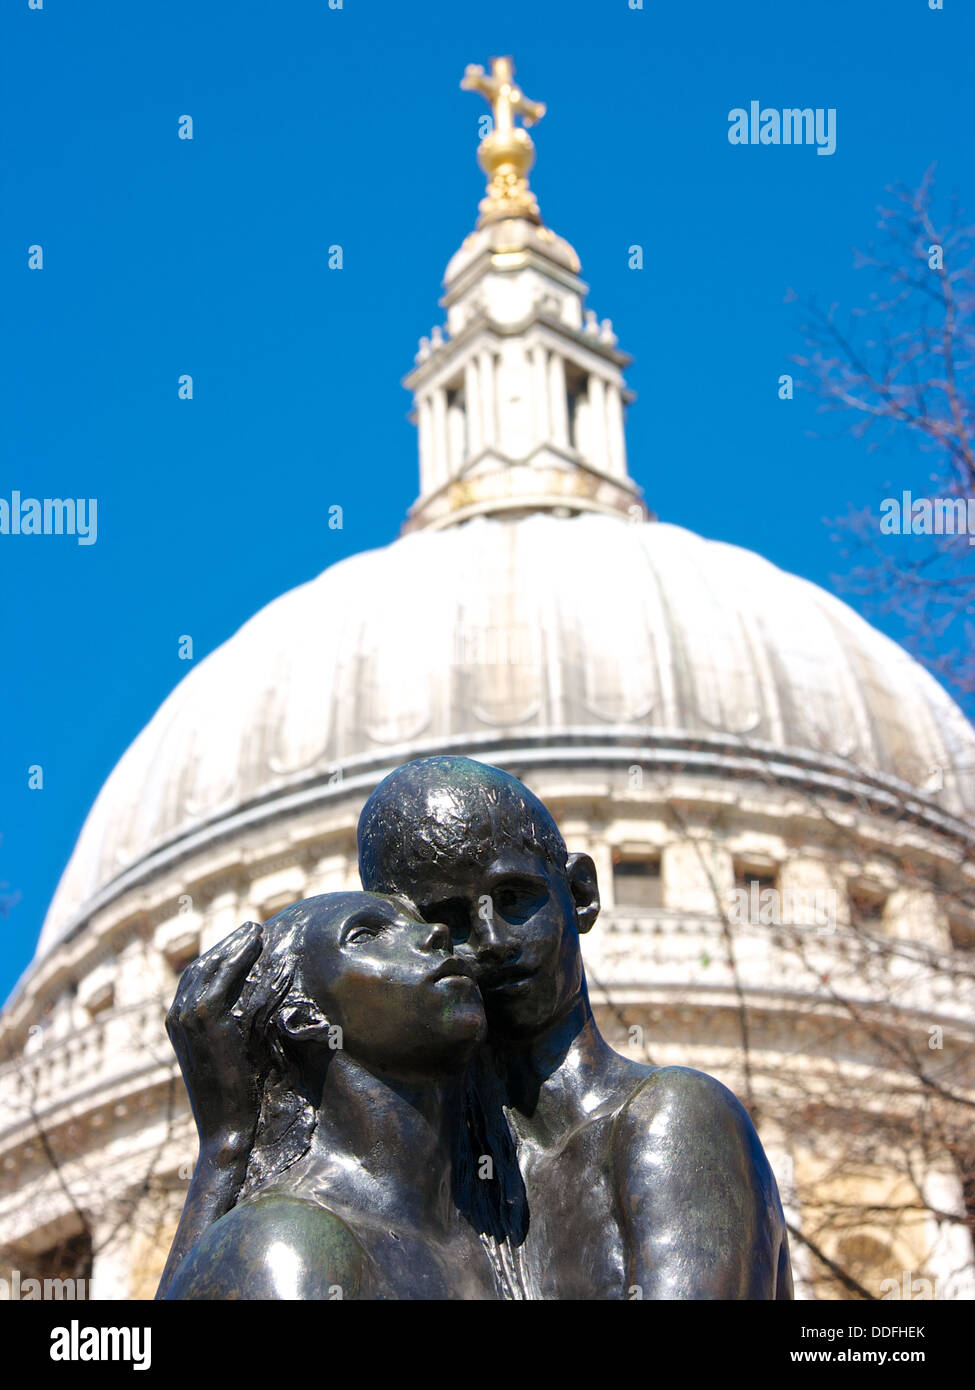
(675, 1105)
(693, 1178)
(637, 1090)
(655, 1088)
(691, 1126)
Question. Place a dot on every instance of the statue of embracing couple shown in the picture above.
(402, 1093)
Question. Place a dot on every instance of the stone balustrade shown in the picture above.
(628, 950)
(82, 1065)
(661, 948)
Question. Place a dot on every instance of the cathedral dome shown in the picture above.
(546, 636)
(530, 611)
(698, 721)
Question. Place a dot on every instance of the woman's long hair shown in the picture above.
(270, 999)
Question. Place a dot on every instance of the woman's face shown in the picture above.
(388, 980)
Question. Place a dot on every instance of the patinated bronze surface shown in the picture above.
(468, 1133)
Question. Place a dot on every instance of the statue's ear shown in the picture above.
(304, 1022)
(581, 872)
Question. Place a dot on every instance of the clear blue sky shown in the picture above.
(315, 126)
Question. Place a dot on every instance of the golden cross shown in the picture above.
(505, 98)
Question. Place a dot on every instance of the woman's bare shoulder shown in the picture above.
(273, 1246)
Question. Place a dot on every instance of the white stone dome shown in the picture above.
(579, 636)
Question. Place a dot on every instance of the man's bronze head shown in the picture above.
(474, 848)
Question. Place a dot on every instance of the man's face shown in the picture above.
(514, 920)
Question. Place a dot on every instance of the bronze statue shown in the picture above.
(360, 1181)
(603, 1178)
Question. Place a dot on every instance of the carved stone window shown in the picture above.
(576, 397)
(69, 1259)
(637, 882)
(764, 872)
(867, 904)
(961, 925)
(458, 434)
